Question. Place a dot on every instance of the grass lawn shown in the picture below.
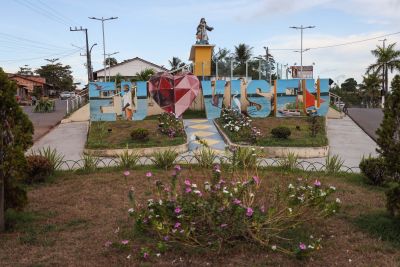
(68, 221)
(99, 136)
(300, 133)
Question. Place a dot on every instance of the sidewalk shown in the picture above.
(205, 130)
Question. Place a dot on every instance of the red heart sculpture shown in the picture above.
(174, 93)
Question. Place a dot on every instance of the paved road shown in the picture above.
(43, 122)
(369, 119)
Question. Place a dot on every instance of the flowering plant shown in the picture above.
(170, 125)
(239, 125)
(220, 212)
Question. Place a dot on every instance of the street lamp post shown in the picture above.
(301, 28)
(104, 42)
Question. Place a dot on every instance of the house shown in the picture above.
(27, 84)
(128, 68)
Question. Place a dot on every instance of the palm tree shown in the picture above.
(144, 75)
(176, 63)
(221, 58)
(387, 58)
(242, 53)
(370, 89)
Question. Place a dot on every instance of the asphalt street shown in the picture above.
(368, 119)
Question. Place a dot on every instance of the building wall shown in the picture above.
(129, 68)
(27, 83)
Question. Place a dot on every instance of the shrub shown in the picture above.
(388, 133)
(244, 158)
(333, 164)
(55, 159)
(128, 160)
(393, 200)
(223, 213)
(373, 170)
(165, 159)
(281, 132)
(238, 125)
(140, 134)
(16, 137)
(38, 169)
(89, 163)
(289, 162)
(205, 156)
(44, 105)
(170, 125)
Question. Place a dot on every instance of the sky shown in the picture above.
(156, 30)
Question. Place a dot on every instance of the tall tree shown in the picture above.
(242, 54)
(176, 63)
(370, 90)
(387, 58)
(111, 61)
(58, 75)
(349, 85)
(16, 136)
(25, 70)
(389, 131)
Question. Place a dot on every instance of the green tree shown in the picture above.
(349, 85)
(176, 63)
(222, 59)
(242, 54)
(111, 61)
(144, 75)
(58, 75)
(389, 131)
(16, 136)
(370, 90)
(387, 58)
(25, 70)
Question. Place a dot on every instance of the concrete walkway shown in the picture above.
(205, 130)
(349, 141)
(69, 139)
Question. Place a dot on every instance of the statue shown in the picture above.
(201, 34)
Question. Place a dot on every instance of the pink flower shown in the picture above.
(149, 174)
(188, 190)
(256, 180)
(166, 238)
(126, 173)
(146, 255)
(237, 201)
(224, 225)
(302, 246)
(124, 242)
(178, 210)
(249, 212)
(178, 167)
(107, 244)
(187, 182)
(317, 183)
(177, 225)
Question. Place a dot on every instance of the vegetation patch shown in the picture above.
(301, 130)
(117, 134)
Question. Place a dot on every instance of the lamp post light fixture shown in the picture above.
(104, 42)
(301, 28)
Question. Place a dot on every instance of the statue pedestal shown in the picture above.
(201, 54)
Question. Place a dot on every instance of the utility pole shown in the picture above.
(267, 59)
(88, 59)
(301, 28)
(104, 42)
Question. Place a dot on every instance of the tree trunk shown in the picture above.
(2, 219)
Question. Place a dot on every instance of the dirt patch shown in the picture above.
(79, 213)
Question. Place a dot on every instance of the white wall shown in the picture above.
(129, 68)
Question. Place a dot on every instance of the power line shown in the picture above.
(340, 44)
(18, 39)
(61, 55)
(40, 11)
